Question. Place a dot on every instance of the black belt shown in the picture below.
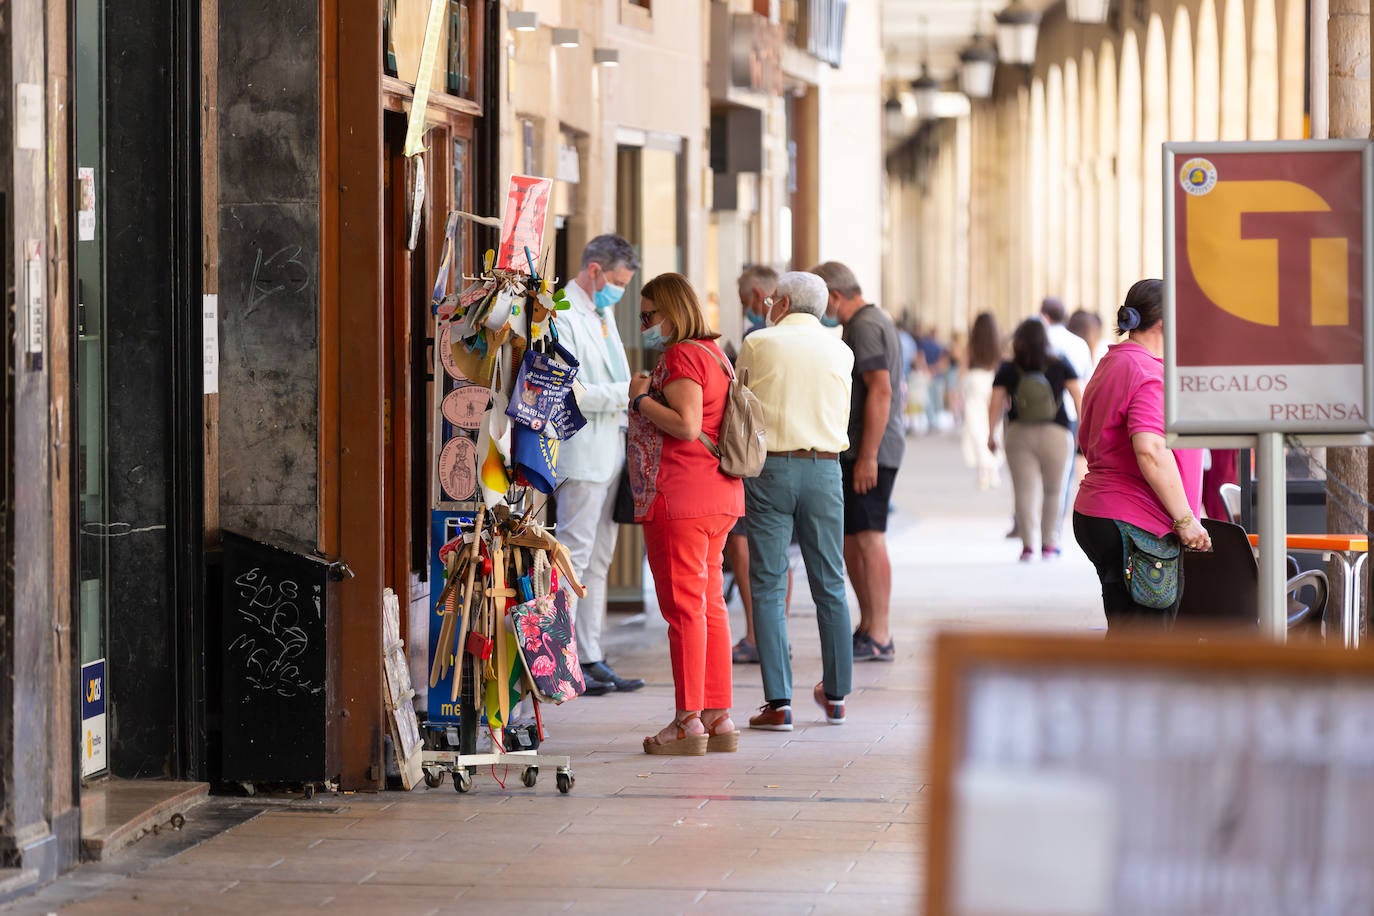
(806, 453)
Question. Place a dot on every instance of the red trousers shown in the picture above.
(685, 556)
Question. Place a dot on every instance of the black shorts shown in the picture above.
(741, 528)
(866, 512)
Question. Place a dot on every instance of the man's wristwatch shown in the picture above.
(634, 405)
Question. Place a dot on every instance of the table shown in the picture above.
(1350, 551)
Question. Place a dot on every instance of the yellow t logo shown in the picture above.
(1255, 248)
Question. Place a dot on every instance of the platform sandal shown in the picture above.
(725, 742)
(684, 745)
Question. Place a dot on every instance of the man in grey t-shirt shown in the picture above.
(876, 447)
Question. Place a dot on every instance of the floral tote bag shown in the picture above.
(548, 647)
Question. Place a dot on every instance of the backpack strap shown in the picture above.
(725, 367)
(730, 373)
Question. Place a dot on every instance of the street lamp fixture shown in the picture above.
(1017, 28)
(977, 67)
(926, 90)
(522, 22)
(1089, 11)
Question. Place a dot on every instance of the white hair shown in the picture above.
(805, 291)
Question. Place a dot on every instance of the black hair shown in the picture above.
(1143, 308)
(1030, 346)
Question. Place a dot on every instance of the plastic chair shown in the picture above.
(1230, 497)
(1221, 588)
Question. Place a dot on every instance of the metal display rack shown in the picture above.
(495, 558)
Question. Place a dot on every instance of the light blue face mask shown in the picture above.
(830, 321)
(652, 338)
(755, 320)
(608, 295)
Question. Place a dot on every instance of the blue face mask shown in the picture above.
(830, 321)
(652, 338)
(755, 321)
(608, 295)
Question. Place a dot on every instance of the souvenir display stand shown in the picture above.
(501, 634)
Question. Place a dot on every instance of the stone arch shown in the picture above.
(1292, 69)
(1087, 178)
(1037, 197)
(1207, 75)
(1106, 160)
(1154, 132)
(1073, 191)
(1234, 80)
(1264, 71)
(1129, 204)
(1055, 205)
(1181, 78)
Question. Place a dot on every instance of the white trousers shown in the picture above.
(585, 527)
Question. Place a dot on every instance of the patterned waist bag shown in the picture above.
(1154, 576)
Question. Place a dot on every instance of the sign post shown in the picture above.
(1267, 311)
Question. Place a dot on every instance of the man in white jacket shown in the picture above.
(589, 463)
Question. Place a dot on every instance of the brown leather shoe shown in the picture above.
(772, 720)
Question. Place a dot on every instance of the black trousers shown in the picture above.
(1101, 541)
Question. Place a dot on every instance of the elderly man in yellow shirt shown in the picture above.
(801, 374)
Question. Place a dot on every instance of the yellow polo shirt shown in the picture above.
(801, 375)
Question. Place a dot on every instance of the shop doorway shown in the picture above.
(136, 285)
(88, 364)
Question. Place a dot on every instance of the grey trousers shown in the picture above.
(1036, 455)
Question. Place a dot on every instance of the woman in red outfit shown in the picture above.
(687, 507)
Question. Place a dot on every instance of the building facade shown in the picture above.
(221, 261)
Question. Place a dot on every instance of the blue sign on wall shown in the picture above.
(94, 755)
(441, 706)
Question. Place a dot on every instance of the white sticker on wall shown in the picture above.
(85, 213)
(28, 116)
(210, 336)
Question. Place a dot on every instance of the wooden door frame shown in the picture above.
(351, 374)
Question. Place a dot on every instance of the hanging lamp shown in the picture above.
(1018, 26)
(977, 67)
(1093, 12)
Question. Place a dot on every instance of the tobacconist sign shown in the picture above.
(1267, 283)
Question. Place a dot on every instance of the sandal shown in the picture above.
(684, 745)
(725, 742)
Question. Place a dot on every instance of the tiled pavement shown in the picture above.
(820, 820)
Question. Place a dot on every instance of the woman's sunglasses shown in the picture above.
(647, 318)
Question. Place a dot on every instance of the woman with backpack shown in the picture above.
(1030, 389)
(687, 506)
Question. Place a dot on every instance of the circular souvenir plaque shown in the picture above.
(446, 355)
(464, 407)
(458, 468)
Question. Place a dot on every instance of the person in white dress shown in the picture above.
(984, 355)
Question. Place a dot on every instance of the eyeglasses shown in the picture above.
(646, 318)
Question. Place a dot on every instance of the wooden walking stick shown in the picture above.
(460, 645)
(498, 593)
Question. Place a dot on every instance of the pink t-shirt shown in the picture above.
(1125, 396)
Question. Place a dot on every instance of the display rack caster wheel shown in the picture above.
(530, 777)
(434, 778)
(565, 782)
(462, 781)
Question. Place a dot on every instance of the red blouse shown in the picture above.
(671, 478)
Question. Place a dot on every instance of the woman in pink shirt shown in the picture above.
(1133, 476)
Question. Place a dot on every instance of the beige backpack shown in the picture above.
(743, 447)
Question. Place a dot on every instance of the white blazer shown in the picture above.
(597, 451)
